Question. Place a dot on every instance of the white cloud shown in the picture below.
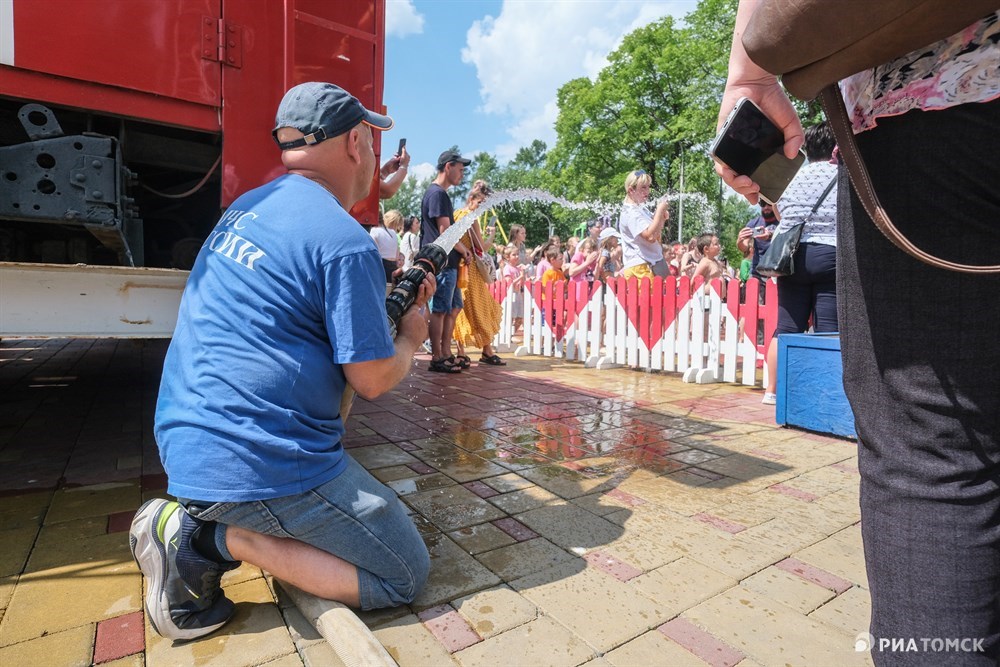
(526, 53)
(421, 171)
(402, 19)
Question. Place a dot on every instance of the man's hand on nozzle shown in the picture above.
(413, 325)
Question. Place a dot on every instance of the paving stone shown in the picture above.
(24, 510)
(17, 544)
(375, 618)
(638, 551)
(849, 612)
(119, 637)
(792, 591)
(564, 482)
(508, 482)
(701, 643)
(78, 541)
(682, 584)
(770, 632)
(464, 467)
(453, 507)
(571, 527)
(6, 590)
(256, 634)
(484, 537)
(539, 642)
(577, 598)
(515, 529)
(93, 500)
(86, 591)
(495, 610)
(840, 554)
(516, 502)
(412, 485)
(67, 648)
(454, 573)
(381, 456)
(525, 558)
(320, 654)
(653, 648)
(392, 473)
(449, 627)
(291, 660)
(135, 660)
(411, 644)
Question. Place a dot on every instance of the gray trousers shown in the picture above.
(921, 350)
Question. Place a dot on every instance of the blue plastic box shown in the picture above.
(811, 384)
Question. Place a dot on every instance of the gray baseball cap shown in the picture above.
(322, 111)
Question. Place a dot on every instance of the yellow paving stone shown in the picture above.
(290, 660)
(454, 573)
(6, 590)
(411, 644)
(67, 648)
(76, 542)
(679, 498)
(635, 550)
(56, 599)
(24, 510)
(850, 611)
(682, 584)
(375, 618)
(93, 500)
(840, 554)
(320, 655)
(303, 632)
(134, 660)
(255, 635)
(540, 642)
(747, 468)
(653, 648)
(596, 662)
(740, 558)
(771, 633)
(516, 502)
(482, 537)
(788, 589)
(600, 504)
(17, 545)
(578, 599)
(785, 533)
(496, 610)
(245, 572)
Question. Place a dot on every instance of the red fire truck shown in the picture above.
(126, 126)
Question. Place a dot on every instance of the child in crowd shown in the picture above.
(513, 273)
(607, 265)
(553, 274)
(584, 262)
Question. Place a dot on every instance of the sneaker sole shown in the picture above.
(150, 555)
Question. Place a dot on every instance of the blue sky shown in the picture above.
(483, 74)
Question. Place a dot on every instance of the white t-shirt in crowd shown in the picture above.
(635, 249)
(387, 243)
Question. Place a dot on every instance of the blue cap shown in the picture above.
(322, 111)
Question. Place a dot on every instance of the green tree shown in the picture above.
(407, 198)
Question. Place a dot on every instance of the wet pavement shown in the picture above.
(573, 516)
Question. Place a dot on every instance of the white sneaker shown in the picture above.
(769, 399)
(427, 346)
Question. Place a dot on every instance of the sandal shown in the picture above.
(492, 360)
(442, 366)
(460, 360)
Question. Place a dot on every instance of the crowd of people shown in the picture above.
(269, 345)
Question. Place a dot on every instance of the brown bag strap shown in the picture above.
(836, 113)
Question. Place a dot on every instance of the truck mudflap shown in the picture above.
(71, 180)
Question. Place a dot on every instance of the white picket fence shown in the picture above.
(708, 333)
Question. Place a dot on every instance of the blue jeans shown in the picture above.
(921, 367)
(353, 517)
(447, 297)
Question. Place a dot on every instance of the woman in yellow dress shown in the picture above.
(479, 320)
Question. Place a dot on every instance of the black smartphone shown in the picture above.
(402, 144)
(751, 145)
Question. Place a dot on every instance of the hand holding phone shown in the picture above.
(402, 145)
(751, 145)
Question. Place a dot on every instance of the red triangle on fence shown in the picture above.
(668, 296)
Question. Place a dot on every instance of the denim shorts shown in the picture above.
(354, 517)
(447, 297)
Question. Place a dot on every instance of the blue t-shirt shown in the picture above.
(286, 288)
(436, 204)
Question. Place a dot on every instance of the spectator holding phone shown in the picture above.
(756, 235)
(918, 363)
(640, 230)
(393, 172)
